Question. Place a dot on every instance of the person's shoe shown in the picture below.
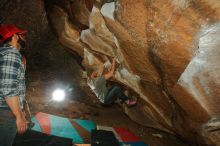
(131, 102)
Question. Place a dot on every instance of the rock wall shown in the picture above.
(167, 53)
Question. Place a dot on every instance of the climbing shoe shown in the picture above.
(131, 101)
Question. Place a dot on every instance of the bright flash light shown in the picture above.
(58, 95)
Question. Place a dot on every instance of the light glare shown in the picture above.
(58, 95)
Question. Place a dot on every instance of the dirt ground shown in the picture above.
(81, 103)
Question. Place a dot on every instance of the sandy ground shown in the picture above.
(81, 103)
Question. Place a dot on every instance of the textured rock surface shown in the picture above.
(211, 131)
(167, 53)
(201, 76)
(68, 35)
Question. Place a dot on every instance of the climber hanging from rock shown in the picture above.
(107, 95)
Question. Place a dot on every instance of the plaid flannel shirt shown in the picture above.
(12, 75)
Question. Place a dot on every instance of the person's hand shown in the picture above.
(113, 61)
(21, 123)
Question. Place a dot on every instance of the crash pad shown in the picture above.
(124, 136)
(76, 129)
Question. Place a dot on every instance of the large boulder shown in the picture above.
(167, 54)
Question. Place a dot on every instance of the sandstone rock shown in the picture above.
(108, 10)
(167, 51)
(139, 115)
(210, 131)
(81, 10)
(97, 24)
(95, 43)
(98, 36)
(170, 28)
(165, 47)
(77, 10)
(68, 35)
(201, 78)
(149, 75)
(90, 61)
(102, 2)
(131, 44)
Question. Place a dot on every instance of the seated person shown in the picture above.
(97, 82)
